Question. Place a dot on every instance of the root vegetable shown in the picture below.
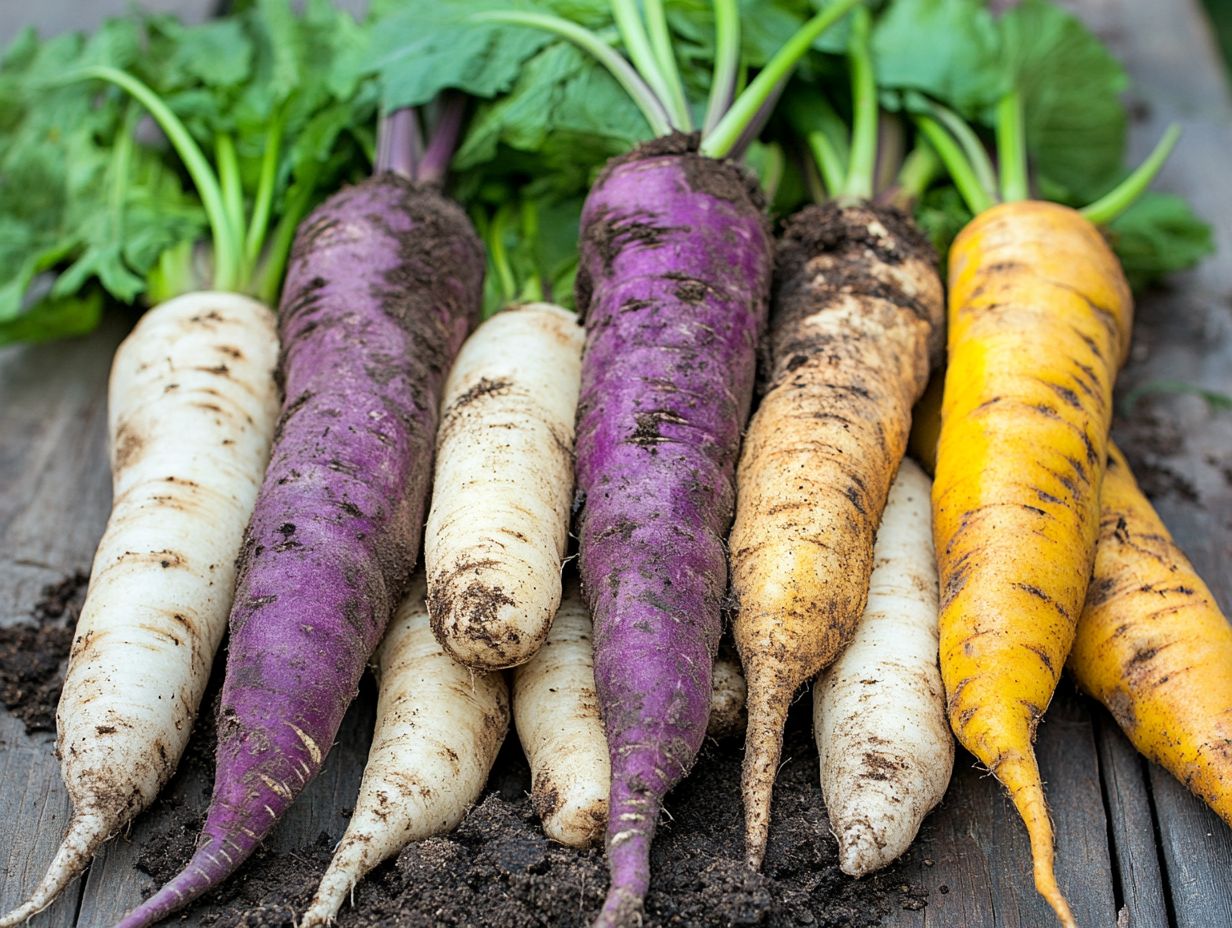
(728, 694)
(191, 410)
(1039, 323)
(1153, 646)
(675, 266)
(501, 501)
(856, 319)
(879, 711)
(383, 284)
(439, 727)
(556, 710)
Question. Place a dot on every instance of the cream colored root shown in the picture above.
(192, 407)
(879, 711)
(556, 711)
(503, 490)
(439, 727)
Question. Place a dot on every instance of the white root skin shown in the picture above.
(727, 695)
(503, 490)
(192, 408)
(879, 711)
(556, 711)
(439, 727)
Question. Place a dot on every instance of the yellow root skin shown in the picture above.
(1153, 646)
(1040, 317)
(848, 361)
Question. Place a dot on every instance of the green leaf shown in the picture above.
(1071, 90)
(1156, 236)
(948, 49)
(564, 110)
(420, 50)
(51, 318)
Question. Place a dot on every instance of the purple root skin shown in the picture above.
(674, 279)
(384, 282)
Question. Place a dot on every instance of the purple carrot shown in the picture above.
(674, 277)
(673, 283)
(384, 282)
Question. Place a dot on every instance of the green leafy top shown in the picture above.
(259, 113)
(1052, 95)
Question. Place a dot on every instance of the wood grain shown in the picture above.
(54, 504)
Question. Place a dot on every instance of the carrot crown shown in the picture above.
(651, 78)
(400, 142)
(868, 160)
(967, 162)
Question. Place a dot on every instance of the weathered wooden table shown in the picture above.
(1133, 847)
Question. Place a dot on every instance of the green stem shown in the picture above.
(977, 197)
(500, 255)
(661, 42)
(229, 178)
(726, 61)
(774, 166)
(1012, 148)
(920, 168)
(1122, 196)
(226, 247)
(719, 141)
(828, 161)
(298, 201)
(863, 155)
(651, 106)
(539, 287)
(262, 206)
(637, 44)
(974, 149)
(119, 167)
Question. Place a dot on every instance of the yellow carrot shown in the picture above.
(1153, 646)
(1039, 322)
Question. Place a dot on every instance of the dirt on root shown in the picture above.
(498, 870)
(33, 654)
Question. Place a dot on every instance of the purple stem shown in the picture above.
(399, 145)
(444, 138)
(757, 123)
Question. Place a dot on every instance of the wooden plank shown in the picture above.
(1128, 806)
(980, 871)
(53, 463)
(57, 494)
(1198, 853)
(1179, 77)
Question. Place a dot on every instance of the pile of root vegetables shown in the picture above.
(705, 239)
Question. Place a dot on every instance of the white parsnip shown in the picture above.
(727, 696)
(192, 407)
(879, 711)
(556, 711)
(503, 490)
(439, 727)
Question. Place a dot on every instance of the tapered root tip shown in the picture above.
(1021, 777)
(860, 851)
(350, 864)
(86, 833)
(621, 909)
(209, 866)
(628, 856)
(763, 747)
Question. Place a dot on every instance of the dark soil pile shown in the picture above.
(33, 654)
(497, 869)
